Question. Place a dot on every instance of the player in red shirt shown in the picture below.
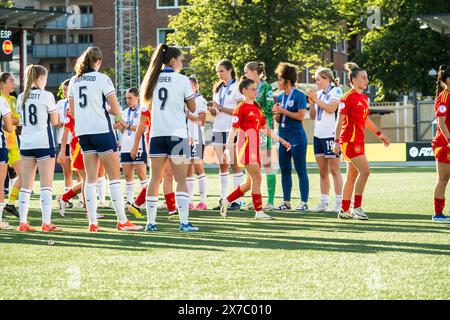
(248, 120)
(441, 142)
(349, 138)
(169, 195)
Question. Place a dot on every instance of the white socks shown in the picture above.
(202, 187)
(338, 201)
(117, 200)
(90, 194)
(144, 183)
(101, 189)
(24, 204)
(152, 206)
(190, 181)
(182, 199)
(224, 184)
(129, 191)
(324, 198)
(2, 205)
(46, 205)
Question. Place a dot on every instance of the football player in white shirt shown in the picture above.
(226, 98)
(63, 106)
(6, 124)
(132, 114)
(88, 92)
(324, 110)
(196, 121)
(37, 108)
(167, 91)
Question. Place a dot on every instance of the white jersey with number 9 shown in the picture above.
(168, 112)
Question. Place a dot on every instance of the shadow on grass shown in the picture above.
(235, 233)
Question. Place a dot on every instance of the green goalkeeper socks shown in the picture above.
(271, 186)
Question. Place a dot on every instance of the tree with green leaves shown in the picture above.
(397, 54)
(262, 30)
(6, 3)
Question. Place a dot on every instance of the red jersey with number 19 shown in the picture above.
(250, 119)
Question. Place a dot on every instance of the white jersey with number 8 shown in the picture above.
(35, 119)
(89, 93)
(168, 112)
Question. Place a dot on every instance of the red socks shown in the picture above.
(345, 206)
(257, 202)
(68, 195)
(236, 194)
(140, 200)
(357, 201)
(170, 201)
(439, 205)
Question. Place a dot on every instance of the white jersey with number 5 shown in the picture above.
(89, 93)
(35, 119)
(169, 96)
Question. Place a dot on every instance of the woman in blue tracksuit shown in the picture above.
(289, 112)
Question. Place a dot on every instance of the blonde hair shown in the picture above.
(327, 73)
(87, 60)
(259, 67)
(32, 73)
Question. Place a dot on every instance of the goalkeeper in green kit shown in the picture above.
(256, 71)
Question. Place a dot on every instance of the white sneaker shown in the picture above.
(322, 207)
(345, 215)
(337, 208)
(303, 207)
(359, 214)
(269, 207)
(5, 226)
(260, 215)
(61, 206)
(102, 205)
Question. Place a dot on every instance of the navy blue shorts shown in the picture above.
(169, 146)
(141, 158)
(3, 155)
(220, 138)
(101, 143)
(324, 147)
(38, 154)
(197, 151)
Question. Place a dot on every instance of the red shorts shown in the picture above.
(352, 150)
(248, 153)
(442, 154)
(77, 157)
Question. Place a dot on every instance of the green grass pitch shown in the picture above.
(398, 254)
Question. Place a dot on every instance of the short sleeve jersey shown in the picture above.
(355, 107)
(35, 119)
(195, 130)
(227, 97)
(325, 123)
(4, 112)
(89, 93)
(441, 108)
(168, 104)
(132, 117)
(296, 102)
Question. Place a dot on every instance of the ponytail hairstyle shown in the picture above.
(259, 67)
(352, 70)
(326, 73)
(229, 66)
(287, 71)
(443, 74)
(162, 56)
(32, 73)
(4, 76)
(244, 83)
(87, 60)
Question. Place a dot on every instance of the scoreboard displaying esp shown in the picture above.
(6, 49)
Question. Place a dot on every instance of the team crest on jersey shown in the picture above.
(235, 119)
(357, 149)
(290, 103)
(442, 109)
(229, 93)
